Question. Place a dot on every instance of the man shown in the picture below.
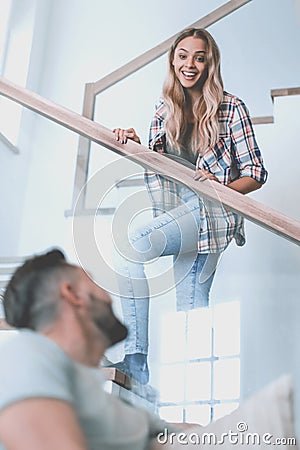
(51, 394)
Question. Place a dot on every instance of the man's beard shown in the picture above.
(107, 322)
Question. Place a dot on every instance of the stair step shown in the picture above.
(145, 391)
(116, 376)
(285, 92)
(262, 120)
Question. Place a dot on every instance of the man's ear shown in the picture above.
(68, 292)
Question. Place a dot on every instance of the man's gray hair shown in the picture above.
(31, 297)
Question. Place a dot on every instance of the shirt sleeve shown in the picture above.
(32, 368)
(244, 146)
(156, 130)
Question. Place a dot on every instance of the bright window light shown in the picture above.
(227, 329)
(227, 379)
(199, 333)
(172, 383)
(198, 381)
(200, 363)
(172, 413)
(173, 338)
(198, 414)
(223, 409)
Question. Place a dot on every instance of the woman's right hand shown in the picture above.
(122, 135)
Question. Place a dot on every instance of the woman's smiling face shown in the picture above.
(190, 62)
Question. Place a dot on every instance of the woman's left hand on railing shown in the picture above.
(122, 135)
(203, 174)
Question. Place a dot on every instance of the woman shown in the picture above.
(210, 130)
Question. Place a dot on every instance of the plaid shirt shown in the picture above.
(235, 155)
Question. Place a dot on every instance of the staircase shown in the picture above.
(274, 94)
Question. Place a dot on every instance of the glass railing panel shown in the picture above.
(130, 103)
(206, 361)
(246, 339)
(202, 362)
(228, 353)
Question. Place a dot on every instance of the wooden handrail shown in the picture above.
(249, 208)
(151, 55)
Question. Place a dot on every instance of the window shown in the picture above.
(200, 364)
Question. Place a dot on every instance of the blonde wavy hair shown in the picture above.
(206, 130)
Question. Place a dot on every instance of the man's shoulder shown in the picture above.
(20, 341)
(33, 366)
(31, 351)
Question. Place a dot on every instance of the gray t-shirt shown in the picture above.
(34, 366)
(187, 157)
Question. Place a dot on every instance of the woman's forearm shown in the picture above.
(244, 185)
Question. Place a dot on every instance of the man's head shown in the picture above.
(30, 297)
(35, 295)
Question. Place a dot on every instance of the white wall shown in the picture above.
(15, 169)
(264, 274)
(79, 41)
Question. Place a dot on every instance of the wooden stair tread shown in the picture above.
(146, 392)
(284, 92)
(116, 376)
(262, 120)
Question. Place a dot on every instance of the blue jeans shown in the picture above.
(173, 233)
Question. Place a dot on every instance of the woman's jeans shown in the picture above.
(173, 233)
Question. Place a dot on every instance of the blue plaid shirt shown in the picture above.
(235, 155)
